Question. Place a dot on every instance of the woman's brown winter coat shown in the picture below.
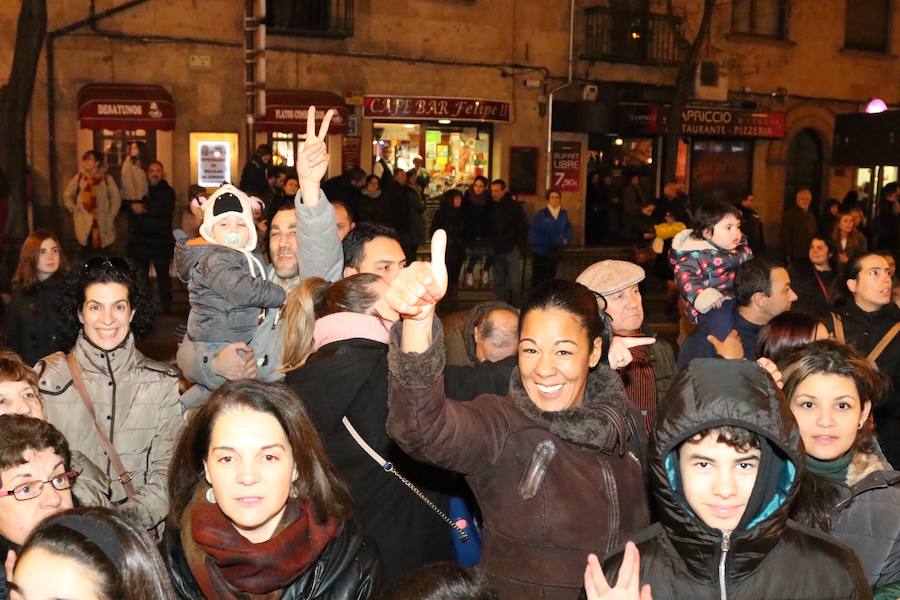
(591, 498)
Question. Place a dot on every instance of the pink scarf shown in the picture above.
(346, 325)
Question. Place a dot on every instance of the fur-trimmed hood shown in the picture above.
(863, 465)
(683, 242)
(599, 423)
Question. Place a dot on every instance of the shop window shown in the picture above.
(760, 17)
(285, 146)
(721, 170)
(867, 25)
(452, 156)
(310, 18)
(114, 143)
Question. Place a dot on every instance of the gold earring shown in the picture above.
(860, 426)
(211, 496)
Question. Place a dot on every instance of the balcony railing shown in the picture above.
(631, 37)
(310, 18)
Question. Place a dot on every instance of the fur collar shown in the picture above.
(597, 424)
(862, 465)
(683, 242)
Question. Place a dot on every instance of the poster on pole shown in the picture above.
(566, 165)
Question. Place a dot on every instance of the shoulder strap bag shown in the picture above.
(124, 475)
(887, 339)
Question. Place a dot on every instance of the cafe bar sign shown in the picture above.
(430, 108)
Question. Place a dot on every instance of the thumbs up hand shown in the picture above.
(418, 288)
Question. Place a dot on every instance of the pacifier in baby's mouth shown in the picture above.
(232, 238)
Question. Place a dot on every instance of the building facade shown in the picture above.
(466, 85)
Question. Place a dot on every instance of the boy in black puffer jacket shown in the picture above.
(725, 463)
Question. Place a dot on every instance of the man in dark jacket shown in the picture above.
(726, 463)
(649, 374)
(346, 188)
(509, 236)
(762, 292)
(798, 226)
(751, 225)
(150, 238)
(254, 176)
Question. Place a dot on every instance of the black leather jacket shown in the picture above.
(348, 569)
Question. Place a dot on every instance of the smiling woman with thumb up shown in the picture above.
(551, 463)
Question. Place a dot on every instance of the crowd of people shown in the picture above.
(321, 433)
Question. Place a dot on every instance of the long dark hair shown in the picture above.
(319, 482)
(818, 496)
(840, 293)
(121, 558)
(103, 269)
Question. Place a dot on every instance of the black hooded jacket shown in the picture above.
(767, 556)
(350, 378)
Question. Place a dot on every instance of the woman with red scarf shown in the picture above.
(93, 198)
(257, 510)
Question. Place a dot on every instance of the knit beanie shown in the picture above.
(224, 201)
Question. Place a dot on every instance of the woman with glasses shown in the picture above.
(35, 480)
(126, 417)
(32, 324)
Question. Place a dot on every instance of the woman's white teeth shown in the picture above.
(550, 389)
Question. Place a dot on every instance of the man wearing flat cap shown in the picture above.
(648, 375)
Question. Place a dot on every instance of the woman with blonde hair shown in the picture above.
(32, 322)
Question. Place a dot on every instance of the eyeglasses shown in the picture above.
(32, 489)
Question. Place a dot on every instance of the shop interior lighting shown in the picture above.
(619, 141)
(409, 125)
(444, 121)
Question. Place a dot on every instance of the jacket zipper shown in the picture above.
(612, 488)
(726, 544)
(112, 416)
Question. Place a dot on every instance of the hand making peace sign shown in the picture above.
(312, 161)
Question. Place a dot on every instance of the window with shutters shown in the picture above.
(767, 18)
(310, 18)
(867, 25)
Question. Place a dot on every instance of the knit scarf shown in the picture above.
(87, 198)
(832, 470)
(346, 325)
(640, 384)
(227, 566)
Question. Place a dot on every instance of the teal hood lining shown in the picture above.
(785, 480)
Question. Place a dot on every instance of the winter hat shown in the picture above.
(609, 276)
(225, 200)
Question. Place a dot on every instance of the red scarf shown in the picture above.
(88, 201)
(226, 565)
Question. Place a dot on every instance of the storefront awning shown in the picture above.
(286, 111)
(125, 106)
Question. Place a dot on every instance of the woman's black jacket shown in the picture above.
(348, 569)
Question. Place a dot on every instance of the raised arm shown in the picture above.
(453, 435)
(319, 252)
